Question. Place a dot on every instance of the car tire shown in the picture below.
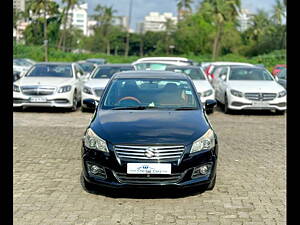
(209, 111)
(280, 112)
(85, 185)
(226, 109)
(75, 102)
(212, 184)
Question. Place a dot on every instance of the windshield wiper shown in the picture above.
(186, 108)
(130, 108)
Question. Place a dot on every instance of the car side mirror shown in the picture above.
(210, 104)
(90, 103)
(223, 77)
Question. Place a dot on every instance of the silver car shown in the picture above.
(49, 85)
(97, 81)
(249, 87)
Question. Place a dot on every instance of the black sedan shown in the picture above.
(149, 130)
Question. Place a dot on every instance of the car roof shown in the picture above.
(150, 74)
(229, 63)
(116, 65)
(162, 59)
(54, 63)
(183, 67)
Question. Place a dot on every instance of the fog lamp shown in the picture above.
(201, 171)
(95, 170)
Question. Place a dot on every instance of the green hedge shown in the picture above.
(55, 55)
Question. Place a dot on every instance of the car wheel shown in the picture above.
(226, 109)
(75, 102)
(85, 185)
(209, 111)
(280, 112)
(212, 184)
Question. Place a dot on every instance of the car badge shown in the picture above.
(150, 152)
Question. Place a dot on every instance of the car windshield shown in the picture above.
(250, 74)
(151, 66)
(20, 62)
(282, 74)
(50, 70)
(87, 67)
(193, 73)
(106, 72)
(151, 94)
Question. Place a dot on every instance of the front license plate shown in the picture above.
(37, 99)
(260, 104)
(148, 168)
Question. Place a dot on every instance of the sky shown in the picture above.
(141, 8)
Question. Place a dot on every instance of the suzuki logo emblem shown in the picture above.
(150, 152)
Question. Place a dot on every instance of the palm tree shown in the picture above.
(169, 29)
(221, 11)
(183, 6)
(38, 8)
(278, 12)
(65, 15)
(260, 24)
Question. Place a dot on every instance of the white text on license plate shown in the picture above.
(148, 168)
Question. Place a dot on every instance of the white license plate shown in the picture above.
(260, 104)
(148, 168)
(37, 99)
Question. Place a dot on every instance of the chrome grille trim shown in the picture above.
(38, 90)
(260, 96)
(160, 153)
(148, 179)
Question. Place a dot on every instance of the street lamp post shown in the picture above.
(128, 27)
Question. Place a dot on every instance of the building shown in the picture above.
(78, 18)
(244, 19)
(155, 22)
(19, 5)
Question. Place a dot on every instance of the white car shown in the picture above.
(210, 68)
(49, 85)
(98, 80)
(22, 66)
(249, 87)
(174, 60)
(204, 89)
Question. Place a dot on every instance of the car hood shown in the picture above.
(96, 83)
(149, 127)
(51, 81)
(202, 85)
(255, 86)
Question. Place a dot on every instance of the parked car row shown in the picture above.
(236, 86)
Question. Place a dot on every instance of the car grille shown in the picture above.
(148, 179)
(260, 96)
(149, 153)
(98, 91)
(37, 90)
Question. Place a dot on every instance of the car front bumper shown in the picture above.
(63, 100)
(113, 169)
(88, 96)
(240, 103)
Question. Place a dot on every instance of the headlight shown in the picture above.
(281, 94)
(207, 93)
(87, 90)
(64, 89)
(16, 88)
(207, 141)
(236, 93)
(92, 141)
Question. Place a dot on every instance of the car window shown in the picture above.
(193, 73)
(50, 70)
(106, 72)
(217, 71)
(156, 93)
(151, 66)
(250, 74)
(282, 74)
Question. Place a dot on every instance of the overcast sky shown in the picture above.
(141, 8)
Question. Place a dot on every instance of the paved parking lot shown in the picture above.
(250, 187)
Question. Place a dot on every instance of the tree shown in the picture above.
(70, 4)
(278, 12)
(184, 6)
(221, 12)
